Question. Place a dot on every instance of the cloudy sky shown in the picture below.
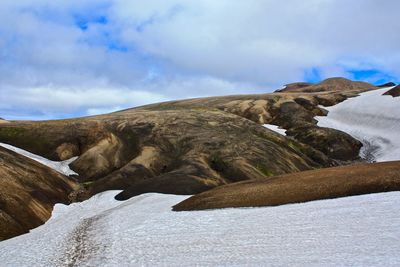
(66, 58)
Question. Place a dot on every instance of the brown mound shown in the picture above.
(28, 192)
(331, 84)
(395, 91)
(300, 187)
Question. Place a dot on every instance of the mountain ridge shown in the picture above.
(190, 146)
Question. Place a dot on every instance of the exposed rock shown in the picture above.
(300, 187)
(389, 84)
(67, 150)
(34, 136)
(333, 143)
(28, 192)
(395, 91)
(291, 114)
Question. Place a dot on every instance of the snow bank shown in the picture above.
(373, 119)
(275, 128)
(352, 231)
(60, 166)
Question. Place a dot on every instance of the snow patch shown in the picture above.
(143, 231)
(59, 166)
(275, 128)
(373, 119)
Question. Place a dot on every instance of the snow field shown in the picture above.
(143, 231)
(373, 119)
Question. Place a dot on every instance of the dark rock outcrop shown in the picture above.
(389, 84)
(300, 187)
(395, 91)
(28, 192)
(335, 144)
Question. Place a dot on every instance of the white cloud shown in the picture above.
(166, 49)
(49, 101)
(54, 99)
(266, 41)
(97, 111)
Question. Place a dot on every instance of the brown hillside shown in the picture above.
(28, 192)
(300, 187)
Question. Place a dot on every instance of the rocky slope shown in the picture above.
(190, 146)
(300, 187)
(291, 110)
(193, 149)
(28, 192)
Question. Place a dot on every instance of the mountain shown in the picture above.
(191, 146)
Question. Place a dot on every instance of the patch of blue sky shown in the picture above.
(312, 75)
(105, 38)
(83, 21)
(114, 45)
(373, 76)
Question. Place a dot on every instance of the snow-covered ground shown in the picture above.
(143, 231)
(60, 166)
(372, 118)
(275, 128)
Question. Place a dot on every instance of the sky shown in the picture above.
(70, 58)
